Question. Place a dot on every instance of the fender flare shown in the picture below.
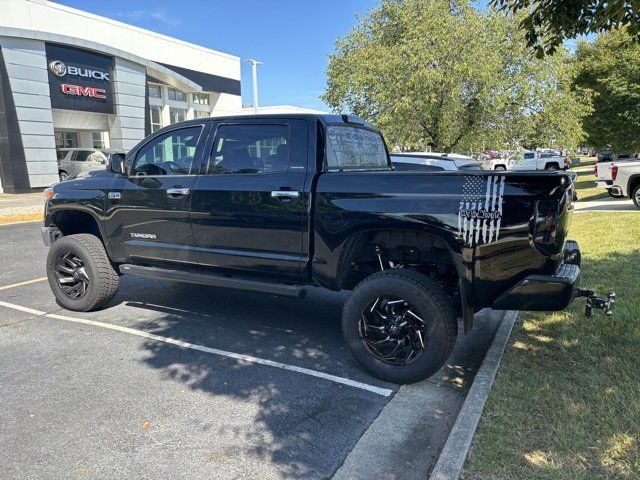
(632, 180)
(455, 253)
(53, 209)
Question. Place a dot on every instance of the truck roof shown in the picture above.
(325, 118)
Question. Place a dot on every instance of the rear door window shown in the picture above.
(81, 155)
(251, 149)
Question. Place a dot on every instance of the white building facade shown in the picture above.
(72, 79)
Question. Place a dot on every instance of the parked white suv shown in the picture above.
(72, 161)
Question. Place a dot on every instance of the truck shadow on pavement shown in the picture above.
(301, 426)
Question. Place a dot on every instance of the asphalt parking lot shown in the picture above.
(185, 381)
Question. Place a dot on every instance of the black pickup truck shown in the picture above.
(277, 203)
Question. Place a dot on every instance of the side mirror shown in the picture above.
(116, 163)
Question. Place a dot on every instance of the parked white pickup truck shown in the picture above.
(620, 178)
(530, 160)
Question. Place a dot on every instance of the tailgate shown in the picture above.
(602, 171)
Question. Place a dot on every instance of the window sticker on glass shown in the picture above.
(353, 147)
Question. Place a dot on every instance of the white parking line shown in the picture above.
(385, 392)
(21, 284)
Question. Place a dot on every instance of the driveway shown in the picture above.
(186, 381)
(606, 205)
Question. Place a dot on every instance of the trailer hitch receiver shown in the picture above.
(599, 302)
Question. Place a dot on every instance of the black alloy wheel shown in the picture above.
(400, 325)
(80, 274)
(393, 330)
(71, 275)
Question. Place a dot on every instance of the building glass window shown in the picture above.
(177, 95)
(177, 115)
(200, 114)
(98, 140)
(201, 98)
(66, 139)
(156, 118)
(155, 91)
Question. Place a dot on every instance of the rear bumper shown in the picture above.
(604, 183)
(545, 293)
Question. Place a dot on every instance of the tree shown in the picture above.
(608, 70)
(548, 23)
(442, 74)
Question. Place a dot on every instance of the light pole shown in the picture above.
(254, 74)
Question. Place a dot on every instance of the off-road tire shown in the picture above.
(433, 304)
(635, 196)
(103, 279)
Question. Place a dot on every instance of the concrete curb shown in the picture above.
(454, 453)
(30, 217)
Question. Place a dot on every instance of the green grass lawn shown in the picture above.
(586, 162)
(566, 402)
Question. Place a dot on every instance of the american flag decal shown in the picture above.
(480, 210)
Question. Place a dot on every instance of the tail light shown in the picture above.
(614, 173)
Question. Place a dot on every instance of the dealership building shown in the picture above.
(72, 79)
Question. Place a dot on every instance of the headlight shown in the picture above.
(48, 193)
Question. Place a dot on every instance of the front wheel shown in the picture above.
(636, 196)
(552, 167)
(63, 175)
(400, 325)
(80, 274)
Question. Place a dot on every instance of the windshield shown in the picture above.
(355, 147)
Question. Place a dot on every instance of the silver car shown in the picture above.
(433, 161)
(72, 161)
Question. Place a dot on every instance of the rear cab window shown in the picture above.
(353, 147)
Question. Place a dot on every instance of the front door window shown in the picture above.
(168, 154)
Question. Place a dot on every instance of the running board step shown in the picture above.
(280, 289)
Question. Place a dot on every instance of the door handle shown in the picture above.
(178, 192)
(285, 194)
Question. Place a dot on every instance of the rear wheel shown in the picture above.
(80, 274)
(400, 325)
(635, 196)
(552, 167)
(500, 168)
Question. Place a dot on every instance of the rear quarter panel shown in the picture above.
(490, 254)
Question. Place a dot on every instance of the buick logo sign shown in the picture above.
(58, 68)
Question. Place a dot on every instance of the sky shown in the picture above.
(292, 38)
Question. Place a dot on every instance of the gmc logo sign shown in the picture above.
(92, 92)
